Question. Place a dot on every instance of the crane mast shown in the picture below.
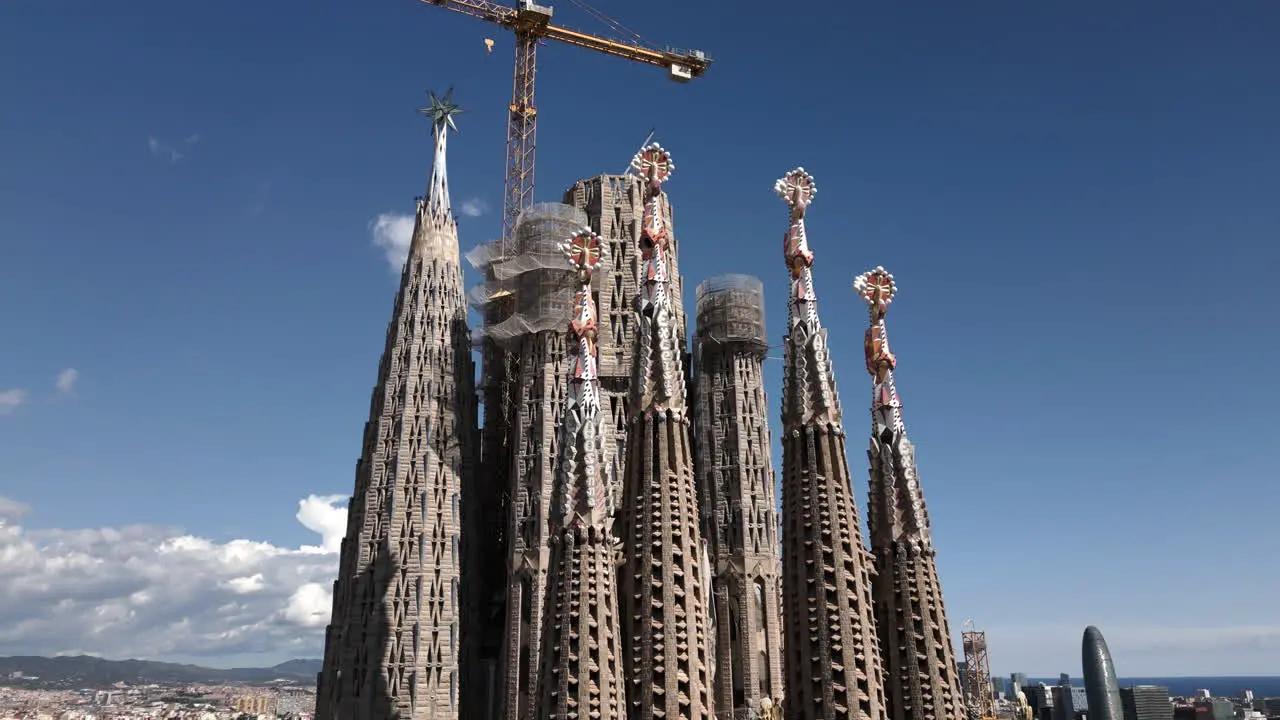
(531, 23)
(488, 673)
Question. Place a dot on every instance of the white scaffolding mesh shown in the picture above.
(537, 280)
(731, 310)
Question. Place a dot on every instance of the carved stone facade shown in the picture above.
(596, 568)
(581, 673)
(833, 657)
(538, 280)
(736, 494)
(921, 680)
(392, 648)
(613, 207)
(664, 579)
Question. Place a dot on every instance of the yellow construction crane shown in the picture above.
(531, 23)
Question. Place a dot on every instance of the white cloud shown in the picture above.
(11, 399)
(160, 148)
(12, 510)
(473, 207)
(155, 592)
(77, 653)
(66, 381)
(393, 232)
(247, 585)
(310, 606)
(321, 515)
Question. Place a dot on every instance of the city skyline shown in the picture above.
(200, 189)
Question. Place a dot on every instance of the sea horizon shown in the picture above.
(1263, 686)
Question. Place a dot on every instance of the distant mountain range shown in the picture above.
(83, 671)
(87, 671)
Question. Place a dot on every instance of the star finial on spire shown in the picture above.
(441, 110)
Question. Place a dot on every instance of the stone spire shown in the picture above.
(392, 647)
(664, 579)
(736, 493)
(581, 674)
(658, 380)
(1100, 682)
(921, 679)
(809, 388)
(833, 658)
(441, 111)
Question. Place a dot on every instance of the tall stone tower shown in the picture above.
(735, 488)
(391, 649)
(921, 680)
(581, 668)
(531, 290)
(535, 286)
(615, 205)
(833, 657)
(664, 579)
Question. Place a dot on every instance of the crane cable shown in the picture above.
(619, 27)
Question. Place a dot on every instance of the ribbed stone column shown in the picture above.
(833, 659)
(581, 674)
(392, 648)
(736, 493)
(663, 580)
(921, 680)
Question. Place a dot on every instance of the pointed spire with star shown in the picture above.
(399, 568)
(441, 110)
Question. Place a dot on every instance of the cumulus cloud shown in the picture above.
(155, 592)
(65, 383)
(473, 207)
(11, 399)
(321, 515)
(392, 232)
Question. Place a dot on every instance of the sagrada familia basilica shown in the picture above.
(607, 543)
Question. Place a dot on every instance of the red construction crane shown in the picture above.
(532, 23)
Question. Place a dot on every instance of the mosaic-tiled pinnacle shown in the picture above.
(921, 681)
(581, 673)
(392, 647)
(664, 579)
(833, 657)
(658, 380)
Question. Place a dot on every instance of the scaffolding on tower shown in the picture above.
(535, 281)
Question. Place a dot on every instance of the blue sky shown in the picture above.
(1078, 202)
